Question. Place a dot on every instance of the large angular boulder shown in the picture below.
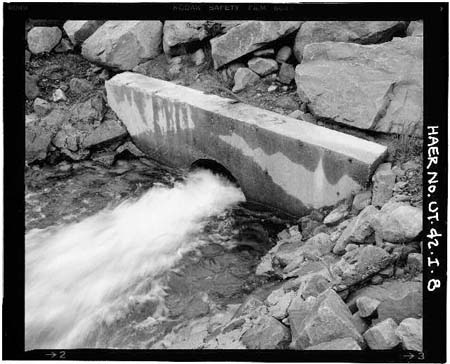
(248, 37)
(382, 336)
(410, 332)
(398, 300)
(375, 87)
(362, 32)
(266, 333)
(43, 39)
(124, 44)
(178, 33)
(80, 30)
(328, 319)
(398, 222)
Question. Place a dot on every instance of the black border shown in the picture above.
(435, 16)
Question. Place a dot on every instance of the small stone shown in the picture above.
(272, 88)
(262, 66)
(346, 343)
(383, 184)
(283, 54)
(362, 200)
(58, 95)
(366, 306)
(264, 52)
(233, 67)
(351, 247)
(41, 107)
(337, 215)
(376, 279)
(244, 77)
(415, 262)
(382, 336)
(287, 73)
(43, 39)
(198, 57)
(174, 69)
(410, 333)
(80, 86)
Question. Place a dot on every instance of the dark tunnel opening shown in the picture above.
(215, 168)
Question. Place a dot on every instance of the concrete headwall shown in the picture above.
(283, 162)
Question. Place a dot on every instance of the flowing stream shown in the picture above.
(79, 274)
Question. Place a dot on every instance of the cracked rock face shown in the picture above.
(376, 87)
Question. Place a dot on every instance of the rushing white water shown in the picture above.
(77, 274)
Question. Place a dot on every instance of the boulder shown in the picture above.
(124, 44)
(244, 77)
(233, 67)
(410, 332)
(41, 107)
(415, 29)
(283, 54)
(287, 73)
(262, 66)
(382, 336)
(328, 319)
(266, 333)
(362, 200)
(336, 215)
(360, 264)
(358, 230)
(313, 285)
(178, 33)
(398, 300)
(383, 184)
(375, 87)
(279, 302)
(361, 32)
(366, 306)
(248, 37)
(80, 30)
(346, 343)
(397, 222)
(31, 87)
(88, 112)
(43, 39)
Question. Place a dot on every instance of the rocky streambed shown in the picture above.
(346, 277)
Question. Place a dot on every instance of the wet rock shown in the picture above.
(383, 184)
(262, 66)
(59, 95)
(366, 86)
(327, 320)
(287, 73)
(336, 215)
(80, 30)
(198, 57)
(283, 54)
(124, 44)
(360, 264)
(243, 78)
(410, 333)
(248, 37)
(266, 333)
(361, 32)
(346, 343)
(264, 52)
(398, 300)
(397, 222)
(107, 132)
(358, 230)
(43, 39)
(366, 306)
(360, 324)
(41, 107)
(415, 262)
(415, 29)
(362, 200)
(382, 336)
(31, 87)
(80, 86)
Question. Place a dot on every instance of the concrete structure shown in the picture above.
(279, 161)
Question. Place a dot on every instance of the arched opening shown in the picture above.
(215, 168)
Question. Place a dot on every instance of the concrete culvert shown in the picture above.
(214, 167)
